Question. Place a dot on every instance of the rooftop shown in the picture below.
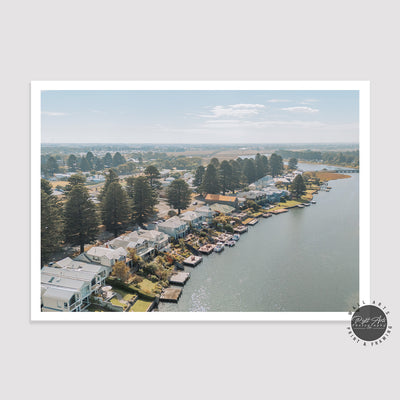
(174, 222)
(106, 252)
(220, 197)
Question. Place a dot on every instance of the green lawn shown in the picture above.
(148, 286)
(125, 295)
(140, 306)
(116, 302)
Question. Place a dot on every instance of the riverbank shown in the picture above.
(304, 260)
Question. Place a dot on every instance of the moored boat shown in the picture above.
(219, 247)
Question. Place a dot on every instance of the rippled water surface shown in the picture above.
(303, 260)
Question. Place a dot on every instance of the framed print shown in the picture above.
(199, 200)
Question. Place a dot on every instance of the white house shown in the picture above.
(60, 299)
(80, 288)
(174, 227)
(158, 240)
(85, 276)
(103, 255)
(132, 241)
(101, 271)
(192, 218)
(206, 213)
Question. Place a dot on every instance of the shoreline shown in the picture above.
(273, 211)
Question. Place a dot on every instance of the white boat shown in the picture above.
(313, 202)
(219, 247)
(230, 243)
(236, 237)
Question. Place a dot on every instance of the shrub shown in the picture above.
(137, 279)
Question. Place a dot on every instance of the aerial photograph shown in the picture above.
(169, 201)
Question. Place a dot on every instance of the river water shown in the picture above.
(304, 260)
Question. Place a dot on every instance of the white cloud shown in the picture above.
(278, 101)
(241, 123)
(234, 110)
(54, 113)
(301, 109)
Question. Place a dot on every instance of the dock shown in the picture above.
(241, 229)
(171, 295)
(253, 222)
(279, 211)
(267, 215)
(192, 261)
(207, 249)
(179, 278)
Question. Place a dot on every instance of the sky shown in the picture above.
(223, 116)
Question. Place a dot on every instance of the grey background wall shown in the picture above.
(185, 40)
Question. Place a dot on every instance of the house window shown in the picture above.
(65, 305)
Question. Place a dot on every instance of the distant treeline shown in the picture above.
(329, 157)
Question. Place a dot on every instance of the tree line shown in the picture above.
(330, 157)
(51, 164)
(75, 220)
(232, 175)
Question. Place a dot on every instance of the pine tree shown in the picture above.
(90, 159)
(225, 176)
(110, 178)
(153, 175)
(298, 186)
(260, 167)
(143, 200)
(249, 170)
(210, 182)
(178, 194)
(292, 163)
(81, 221)
(72, 162)
(51, 165)
(46, 187)
(236, 175)
(114, 208)
(199, 175)
(215, 162)
(118, 159)
(108, 160)
(264, 160)
(98, 163)
(84, 164)
(74, 180)
(130, 183)
(51, 225)
(275, 164)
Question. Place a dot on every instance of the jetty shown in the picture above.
(279, 211)
(207, 249)
(171, 295)
(253, 222)
(267, 215)
(241, 229)
(180, 278)
(192, 261)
